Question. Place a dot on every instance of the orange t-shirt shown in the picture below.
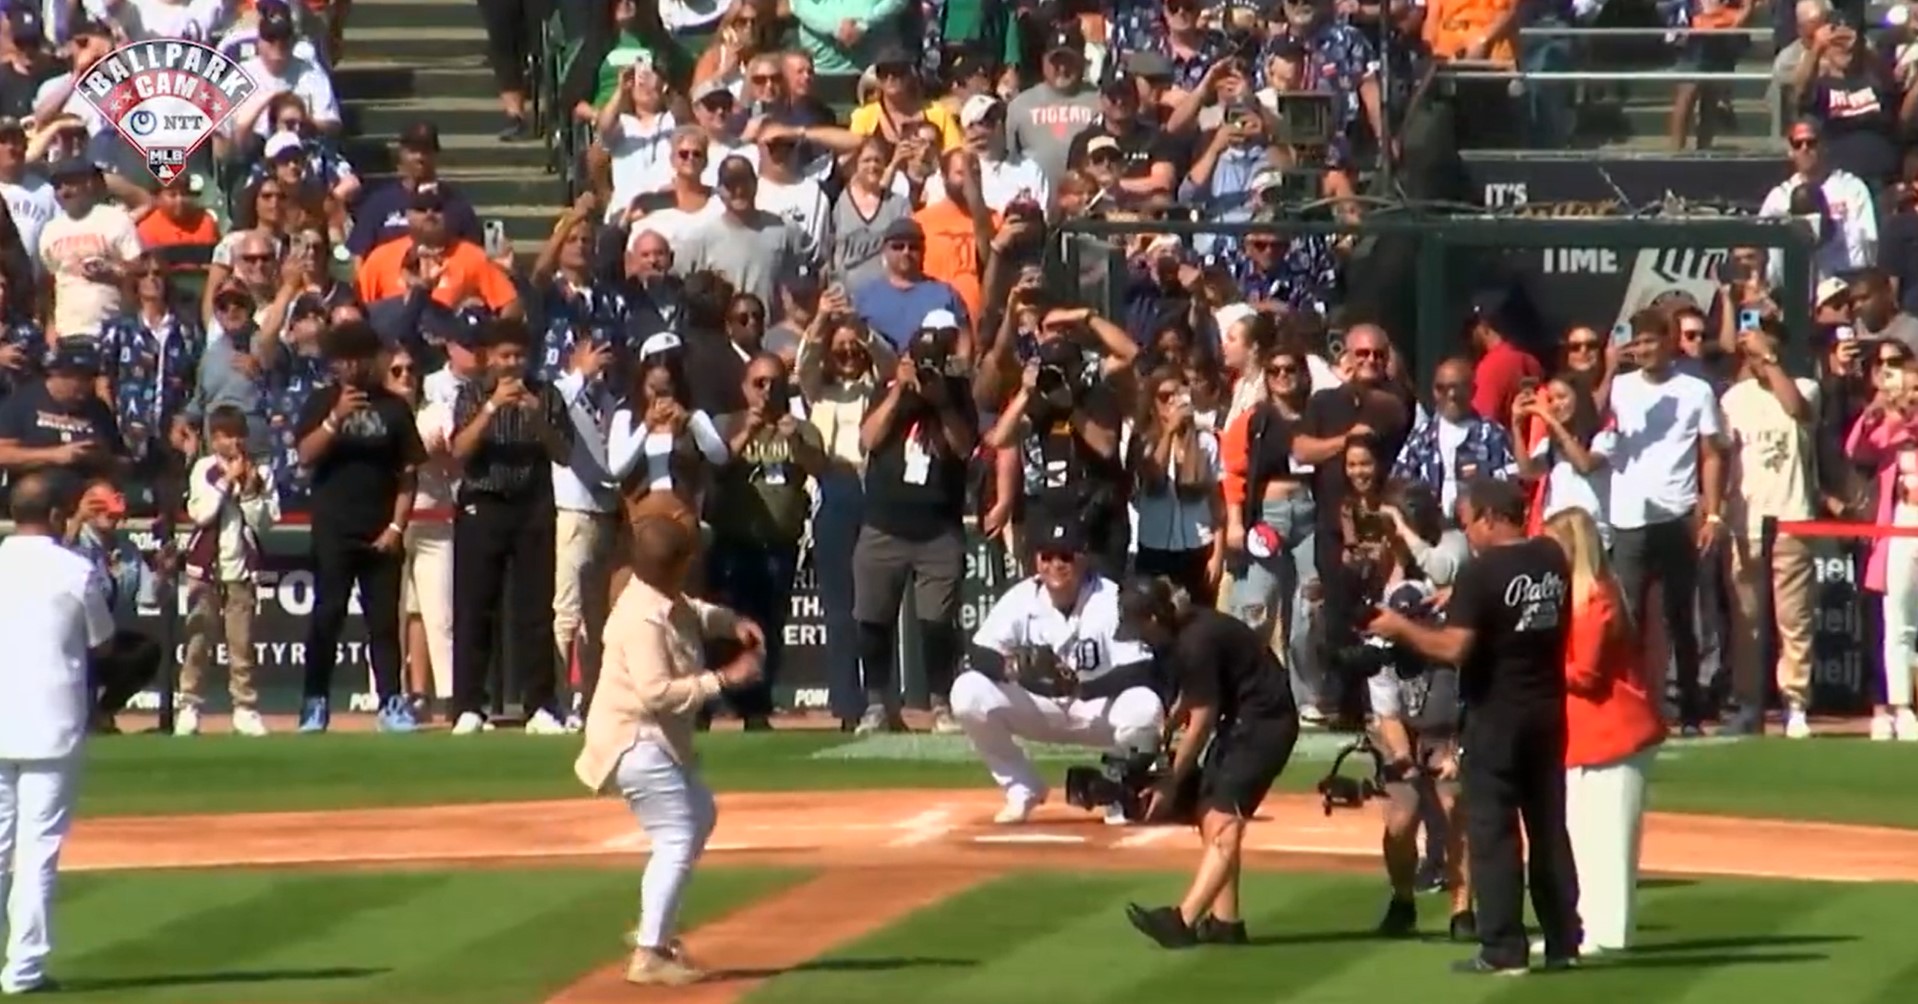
(467, 274)
(199, 230)
(1452, 26)
(952, 250)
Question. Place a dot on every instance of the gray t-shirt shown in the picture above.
(757, 254)
(856, 240)
(1042, 120)
(1902, 328)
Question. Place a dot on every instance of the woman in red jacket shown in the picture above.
(1612, 735)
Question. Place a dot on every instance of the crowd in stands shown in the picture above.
(838, 341)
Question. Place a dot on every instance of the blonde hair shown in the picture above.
(1576, 533)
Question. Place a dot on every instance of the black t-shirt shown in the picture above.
(715, 373)
(31, 418)
(1217, 660)
(915, 486)
(354, 482)
(1141, 146)
(18, 87)
(1516, 600)
(1333, 412)
(1859, 119)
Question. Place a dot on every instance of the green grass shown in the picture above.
(1062, 939)
(294, 937)
(1832, 780)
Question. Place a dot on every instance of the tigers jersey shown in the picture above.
(1083, 637)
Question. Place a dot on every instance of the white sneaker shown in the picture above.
(575, 722)
(1797, 726)
(1585, 951)
(1018, 808)
(943, 723)
(1115, 815)
(247, 722)
(544, 724)
(469, 723)
(186, 720)
(1905, 726)
(872, 722)
(1883, 727)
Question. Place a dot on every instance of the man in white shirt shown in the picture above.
(85, 251)
(586, 501)
(1004, 178)
(1068, 615)
(276, 70)
(1769, 415)
(54, 615)
(1666, 490)
(1848, 198)
(29, 197)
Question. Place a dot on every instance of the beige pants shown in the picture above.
(426, 589)
(223, 610)
(1790, 581)
(582, 560)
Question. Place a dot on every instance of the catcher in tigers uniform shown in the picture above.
(1415, 723)
(1047, 667)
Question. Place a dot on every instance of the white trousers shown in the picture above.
(1604, 816)
(426, 588)
(582, 565)
(1901, 609)
(677, 811)
(994, 715)
(36, 801)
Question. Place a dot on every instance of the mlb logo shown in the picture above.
(166, 164)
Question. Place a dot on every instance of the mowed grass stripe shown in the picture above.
(1837, 943)
(95, 914)
(225, 942)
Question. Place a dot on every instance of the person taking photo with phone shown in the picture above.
(1886, 438)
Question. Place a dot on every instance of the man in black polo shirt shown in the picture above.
(1505, 631)
(361, 445)
(1364, 406)
(59, 423)
(917, 439)
(511, 429)
(1150, 158)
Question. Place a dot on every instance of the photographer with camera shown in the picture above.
(1240, 722)
(1049, 666)
(1065, 421)
(1505, 630)
(918, 437)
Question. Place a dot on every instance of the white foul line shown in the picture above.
(1145, 838)
(1027, 838)
(925, 828)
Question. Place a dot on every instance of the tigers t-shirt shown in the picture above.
(67, 243)
(952, 250)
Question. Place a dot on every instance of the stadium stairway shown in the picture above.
(412, 60)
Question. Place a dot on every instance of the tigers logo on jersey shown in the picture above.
(166, 97)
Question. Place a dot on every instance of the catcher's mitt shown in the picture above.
(1040, 671)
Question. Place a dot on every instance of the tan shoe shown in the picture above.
(653, 969)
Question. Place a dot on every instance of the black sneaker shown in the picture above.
(1464, 926)
(757, 723)
(517, 130)
(1162, 924)
(1431, 877)
(1401, 919)
(1220, 932)
(1560, 963)
(1478, 965)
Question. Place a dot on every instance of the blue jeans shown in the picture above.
(756, 580)
(835, 530)
(1269, 592)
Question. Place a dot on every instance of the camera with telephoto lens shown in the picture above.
(1062, 374)
(934, 355)
(1125, 780)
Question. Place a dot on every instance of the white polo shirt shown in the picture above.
(1083, 637)
(53, 610)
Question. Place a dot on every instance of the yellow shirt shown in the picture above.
(865, 122)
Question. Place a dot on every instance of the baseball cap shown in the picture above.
(421, 136)
(1831, 288)
(426, 197)
(893, 56)
(1119, 86)
(1065, 37)
(280, 144)
(72, 167)
(1058, 536)
(276, 21)
(709, 88)
(978, 109)
(12, 127)
(905, 229)
(25, 24)
(87, 27)
(657, 344)
(1101, 144)
(939, 320)
(74, 355)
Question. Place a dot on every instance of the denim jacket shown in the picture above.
(130, 583)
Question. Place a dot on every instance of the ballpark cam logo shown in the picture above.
(166, 97)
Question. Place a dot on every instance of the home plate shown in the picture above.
(1028, 838)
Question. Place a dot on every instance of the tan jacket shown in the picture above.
(652, 679)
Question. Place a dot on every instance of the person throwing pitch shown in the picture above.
(1047, 667)
(639, 728)
(1240, 724)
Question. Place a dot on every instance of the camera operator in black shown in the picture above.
(1415, 715)
(1505, 631)
(1229, 689)
(1065, 420)
(918, 437)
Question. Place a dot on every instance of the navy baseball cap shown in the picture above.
(1058, 535)
(24, 23)
(72, 167)
(74, 355)
(276, 21)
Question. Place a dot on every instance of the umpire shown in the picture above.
(1505, 631)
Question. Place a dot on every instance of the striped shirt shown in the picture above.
(512, 463)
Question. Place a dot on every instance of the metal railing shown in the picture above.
(1567, 31)
(1775, 109)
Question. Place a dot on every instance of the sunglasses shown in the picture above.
(747, 317)
(905, 245)
(1170, 393)
(399, 370)
(1804, 144)
(1376, 354)
(690, 154)
(1893, 360)
(1100, 154)
(1282, 369)
(256, 259)
(1260, 244)
(1582, 345)
(269, 195)
(763, 78)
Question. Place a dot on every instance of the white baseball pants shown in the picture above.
(36, 799)
(426, 588)
(1604, 816)
(677, 811)
(994, 715)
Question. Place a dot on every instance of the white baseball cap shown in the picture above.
(977, 109)
(283, 142)
(939, 319)
(664, 341)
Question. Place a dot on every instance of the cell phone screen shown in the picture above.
(1748, 319)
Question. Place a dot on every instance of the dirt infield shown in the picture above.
(882, 855)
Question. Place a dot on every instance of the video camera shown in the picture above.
(1125, 780)
(933, 352)
(1338, 791)
(1062, 374)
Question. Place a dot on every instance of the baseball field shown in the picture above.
(425, 869)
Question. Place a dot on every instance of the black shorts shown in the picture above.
(1243, 762)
